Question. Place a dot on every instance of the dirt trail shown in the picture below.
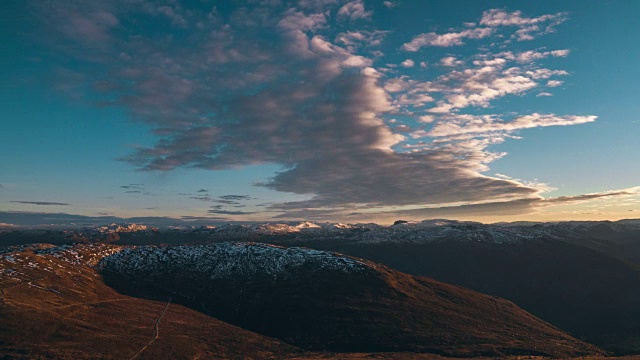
(156, 328)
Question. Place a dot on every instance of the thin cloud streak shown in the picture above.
(43, 203)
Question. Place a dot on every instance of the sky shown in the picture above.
(322, 110)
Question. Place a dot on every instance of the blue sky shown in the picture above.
(321, 110)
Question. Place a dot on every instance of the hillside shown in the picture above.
(233, 300)
(53, 306)
(324, 301)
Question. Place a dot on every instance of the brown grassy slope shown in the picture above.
(69, 313)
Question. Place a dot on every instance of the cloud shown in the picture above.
(244, 86)
(544, 73)
(390, 4)
(298, 21)
(204, 218)
(465, 125)
(355, 39)
(227, 202)
(554, 83)
(491, 78)
(381, 178)
(528, 27)
(201, 198)
(594, 196)
(447, 39)
(497, 17)
(531, 55)
(46, 220)
(477, 87)
(44, 203)
(407, 63)
(236, 197)
(132, 187)
(136, 189)
(491, 208)
(450, 61)
(227, 212)
(354, 10)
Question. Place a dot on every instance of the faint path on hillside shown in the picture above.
(156, 328)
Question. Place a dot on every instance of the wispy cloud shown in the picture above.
(446, 39)
(236, 197)
(201, 198)
(528, 27)
(594, 196)
(205, 218)
(44, 203)
(354, 10)
(458, 125)
(132, 187)
(229, 212)
(25, 218)
(390, 4)
(352, 40)
(136, 189)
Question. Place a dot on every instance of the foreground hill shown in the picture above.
(55, 304)
(324, 301)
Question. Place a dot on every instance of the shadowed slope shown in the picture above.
(592, 295)
(324, 301)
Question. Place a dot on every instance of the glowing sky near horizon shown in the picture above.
(321, 110)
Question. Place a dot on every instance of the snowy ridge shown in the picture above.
(80, 254)
(77, 254)
(236, 261)
(19, 262)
